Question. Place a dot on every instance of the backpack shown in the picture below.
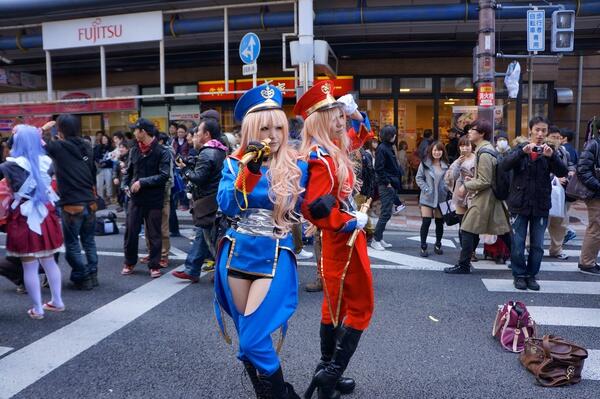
(106, 225)
(513, 326)
(501, 181)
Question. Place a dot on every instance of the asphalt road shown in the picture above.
(430, 336)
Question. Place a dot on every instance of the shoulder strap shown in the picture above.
(82, 155)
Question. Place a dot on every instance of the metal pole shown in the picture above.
(102, 72)
(529, 88)
(162, 66)
(226, 46)
(254, 79)
(579, 90)
(49, 76)
(306, 41)
(486, 51)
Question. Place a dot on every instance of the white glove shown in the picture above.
(361, 219)
(350, 105)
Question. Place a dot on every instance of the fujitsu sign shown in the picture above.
(103, 31)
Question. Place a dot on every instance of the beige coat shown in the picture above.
(486, 214)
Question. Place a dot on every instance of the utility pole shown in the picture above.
(486, 53)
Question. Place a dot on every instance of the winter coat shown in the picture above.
(206, 174)
(486, 214)
(152, 170)
(102, 156)
(181, 149)
(531, 186)
(589, 159)
(367, 174)
(433, 189)
(387, 169)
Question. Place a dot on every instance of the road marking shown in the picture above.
(431, 240)
(4, 350)
(563, 316)
(373, 266)
(546, 266)
(591, 367)
(32, 362)
(546, 287)
(179, 254)
(409, 262)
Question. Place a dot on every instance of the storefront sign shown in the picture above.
(485, 95)
(103, 31)
(343, 85)
(463, 115)
(184, 116)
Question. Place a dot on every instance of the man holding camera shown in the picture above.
(529, 201)
(204, 176)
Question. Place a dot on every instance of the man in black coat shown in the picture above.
(588, 171)
(205, 177)
(529, 200)
(145, 177)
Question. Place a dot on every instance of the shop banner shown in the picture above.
(485, 95)
(217, 87)
(282, 83)
(103, 31)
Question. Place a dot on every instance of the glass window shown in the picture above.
(461, 84)
(90, 124)
(540, 109)
(506, 117)
(376, 86)
(185, 89)
(119, 121)
(415, 85)
(455, 113)
(381, 112)
(150, 91)
(159, 115)
(540, 91)
(500, 87)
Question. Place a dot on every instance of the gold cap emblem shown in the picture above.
(326, 88)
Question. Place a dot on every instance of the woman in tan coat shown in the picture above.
(486, 214)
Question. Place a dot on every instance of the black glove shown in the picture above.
(257, 148)
(322, 206)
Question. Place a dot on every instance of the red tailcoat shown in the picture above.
(346, 272)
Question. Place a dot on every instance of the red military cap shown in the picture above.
(317, 98)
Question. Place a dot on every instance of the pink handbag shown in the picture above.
(513, 325)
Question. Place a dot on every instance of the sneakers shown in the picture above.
(385, 244)
(520, 283)
(561, 256)
(127, 269)
(184, 276)
(457, 269)
(376, 245)
(399, 209)
(82, 285)
(532, 284)
(155, 273)
(21, 289)
(594, 271)
(209, 266)
(571, 235)
(304, 255)
(474, 257)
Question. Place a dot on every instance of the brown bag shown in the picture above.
(553, 360)
(205, 210)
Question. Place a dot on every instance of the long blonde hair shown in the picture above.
(283, 174)
(316, 131)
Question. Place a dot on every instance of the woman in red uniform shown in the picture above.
(328, 204)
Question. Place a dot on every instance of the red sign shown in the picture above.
(284, 83)
(76, 107)
(485, 95)
(217, 87)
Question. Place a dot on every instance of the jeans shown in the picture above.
(76, 228)
(468, 243)
(173, 221)
(151, 218)
(104, 182)
(199, 252)
(537, 226)
(387, 196)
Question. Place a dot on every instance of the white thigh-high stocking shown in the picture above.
(54, 280)
(32, 284)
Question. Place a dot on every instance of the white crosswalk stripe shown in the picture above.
(546, 287)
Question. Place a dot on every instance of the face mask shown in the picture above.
(502, 145)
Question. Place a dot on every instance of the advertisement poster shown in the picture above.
(466, 115)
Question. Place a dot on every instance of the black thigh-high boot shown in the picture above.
(439, 233)
(425, 223)
(276, 387)
(328, 335)
(258, 386)
(326, 379)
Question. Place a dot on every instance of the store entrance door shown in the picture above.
(91, 123)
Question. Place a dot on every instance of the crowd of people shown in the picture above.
(283, 182)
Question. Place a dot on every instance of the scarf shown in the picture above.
(145, 148)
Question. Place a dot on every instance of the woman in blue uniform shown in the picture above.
(255, 280)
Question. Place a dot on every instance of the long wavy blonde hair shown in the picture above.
(283, 174)
(317, 131)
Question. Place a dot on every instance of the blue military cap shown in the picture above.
(257, 99)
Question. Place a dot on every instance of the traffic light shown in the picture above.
(563, 31)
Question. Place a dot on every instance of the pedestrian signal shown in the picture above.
(563, 31)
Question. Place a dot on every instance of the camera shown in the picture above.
(538, 148)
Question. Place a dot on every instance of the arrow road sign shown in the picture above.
(249, 48)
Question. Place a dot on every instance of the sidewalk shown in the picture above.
(410, 218)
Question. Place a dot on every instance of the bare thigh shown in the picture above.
(240, 290)
(258, 292)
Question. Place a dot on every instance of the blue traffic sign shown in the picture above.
(536, 30)
(249, 48)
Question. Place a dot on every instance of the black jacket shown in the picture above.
(74, 168)
(206, 173)
(100, 156)
(387, 169)
(589, 160)
(531, 183)
(152, 170)
(367, 174)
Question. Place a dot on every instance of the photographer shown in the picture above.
(204, 176)
(529, 201)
